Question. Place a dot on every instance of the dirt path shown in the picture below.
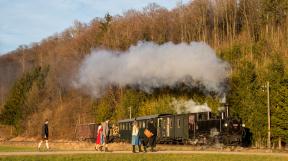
(129, 152)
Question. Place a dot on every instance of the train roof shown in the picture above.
(143, 118)
(126, 120)
(147, 117)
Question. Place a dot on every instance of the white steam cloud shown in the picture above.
(189, 106)
(148, 65)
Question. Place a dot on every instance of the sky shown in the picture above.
(26, 21)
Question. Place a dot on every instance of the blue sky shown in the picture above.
(27, 21)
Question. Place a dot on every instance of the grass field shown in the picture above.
(132, 157)
(8, 148)
(144, 157)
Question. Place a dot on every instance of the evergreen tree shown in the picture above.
(14, 109)
(278, 98)
(246, 100)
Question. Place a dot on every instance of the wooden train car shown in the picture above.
(86, 132)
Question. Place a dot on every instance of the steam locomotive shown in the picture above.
(202, 128)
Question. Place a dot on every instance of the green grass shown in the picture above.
(144, 157)
(10, 148)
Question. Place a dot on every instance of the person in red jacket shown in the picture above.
(99, 139)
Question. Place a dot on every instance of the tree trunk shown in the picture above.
(279, 143)
(23, 63)
(215, 31)
(60, 100)
(2, 96)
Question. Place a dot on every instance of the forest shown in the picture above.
(251, 35)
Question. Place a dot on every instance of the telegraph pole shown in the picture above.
(130, 108)
(268, 115)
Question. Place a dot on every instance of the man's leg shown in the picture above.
(47, 145)
(106, 146)
(153, 144)
(139, 147)
(39, 145)
(106, 143)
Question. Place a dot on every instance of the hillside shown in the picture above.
(250, 35)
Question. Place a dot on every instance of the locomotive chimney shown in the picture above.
(225, 104)
(227, 110)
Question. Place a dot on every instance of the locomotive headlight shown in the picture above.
(243, 125)
(225, 124)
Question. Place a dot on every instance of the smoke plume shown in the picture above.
(148, 65)
(189, 106)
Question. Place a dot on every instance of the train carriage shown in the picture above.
(86, 132)
(191, 128)
(165, 128)
(125, 126)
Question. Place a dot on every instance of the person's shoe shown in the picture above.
(106, 150)
(96, 149)
(145, 149)
(140, 150)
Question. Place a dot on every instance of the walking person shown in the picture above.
(135, 137)
(45, 135)
(99, 139)
(105, 134)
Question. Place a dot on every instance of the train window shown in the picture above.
(178, 123)
(214, 115)
(171, 123)
(202, 116)
(143, 124)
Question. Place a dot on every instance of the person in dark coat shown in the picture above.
(45, 135)
(152, 140)
(143, 138)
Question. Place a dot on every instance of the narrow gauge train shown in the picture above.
(203, 128)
